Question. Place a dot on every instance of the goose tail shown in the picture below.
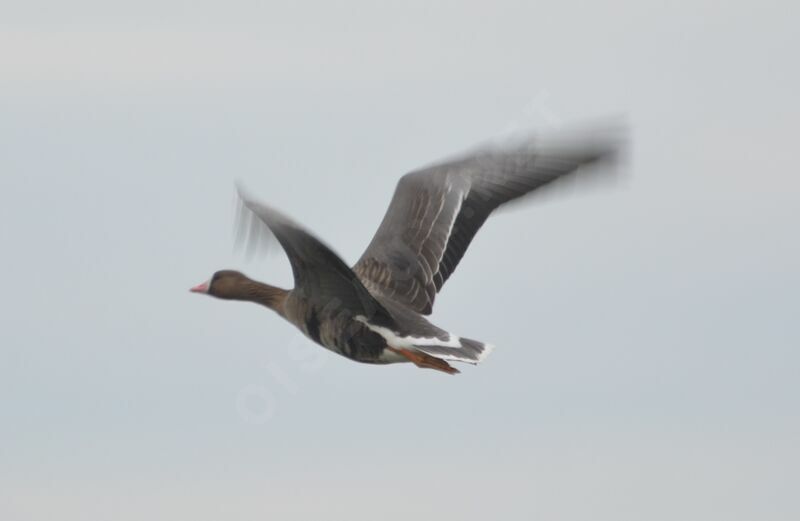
(467, 350)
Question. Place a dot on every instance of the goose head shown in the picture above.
(225, 284)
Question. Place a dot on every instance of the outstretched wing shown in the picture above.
(436, 211)
(319, 274)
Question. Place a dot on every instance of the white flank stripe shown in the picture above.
(394, 340)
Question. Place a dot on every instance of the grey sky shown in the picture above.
(646, 363)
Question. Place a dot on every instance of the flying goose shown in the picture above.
(375, 311)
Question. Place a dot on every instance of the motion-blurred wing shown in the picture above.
(436, 211)
(319, 274)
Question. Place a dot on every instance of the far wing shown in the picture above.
(436, 211)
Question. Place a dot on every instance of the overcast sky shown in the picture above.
(647, 331)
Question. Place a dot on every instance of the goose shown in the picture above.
(375, 311)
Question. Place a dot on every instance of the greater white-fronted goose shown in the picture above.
(374, 311)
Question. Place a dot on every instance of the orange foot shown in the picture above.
(426, 360)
